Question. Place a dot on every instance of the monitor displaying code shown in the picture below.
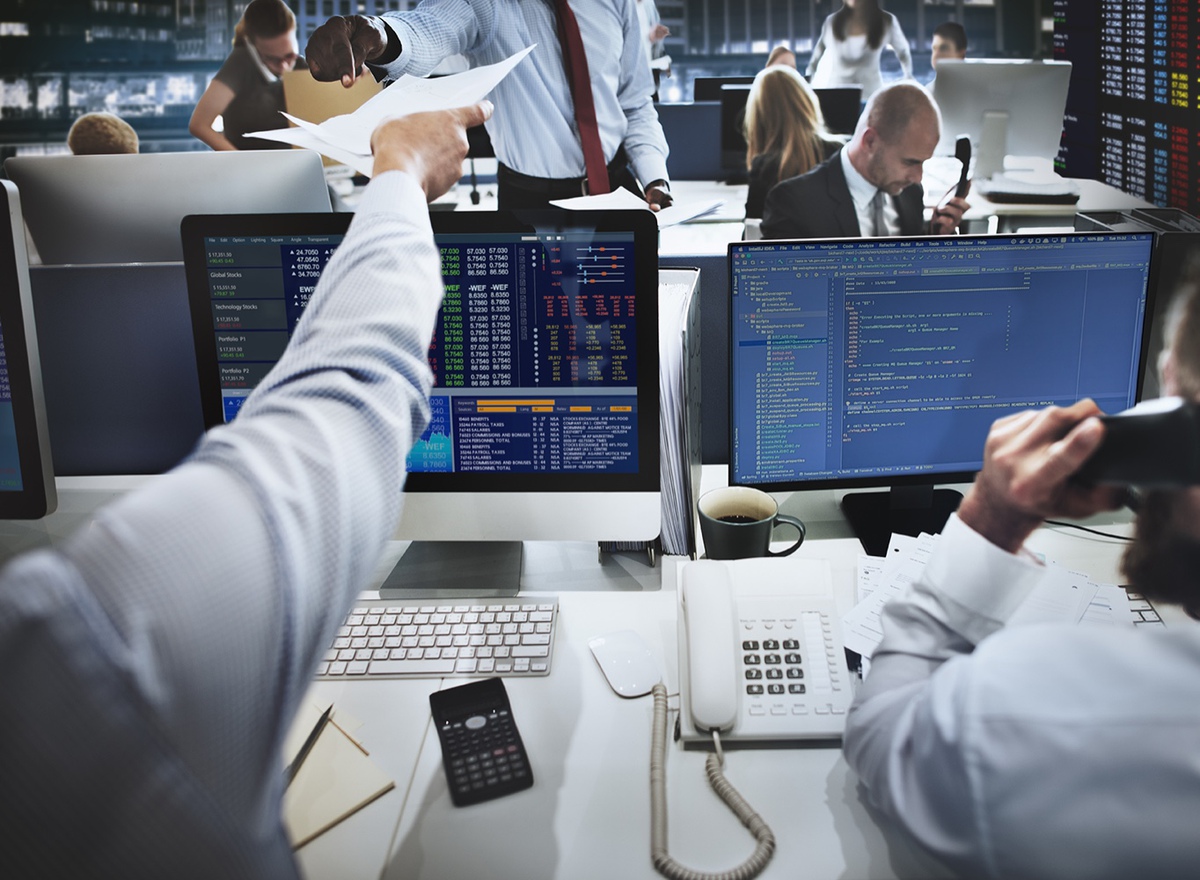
(534, 355)
(862, 361)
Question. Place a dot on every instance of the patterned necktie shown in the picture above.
(575, 62)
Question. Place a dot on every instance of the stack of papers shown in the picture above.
(347, 138)
(1029, 189)
(1061, 596)
(679, 426)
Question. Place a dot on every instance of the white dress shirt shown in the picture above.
(151, 665)
(533, 128)
(862, 192)
(1034, 751)
(852, 61)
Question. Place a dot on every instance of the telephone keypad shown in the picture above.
(781, 663)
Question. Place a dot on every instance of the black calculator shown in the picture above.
(482, 751)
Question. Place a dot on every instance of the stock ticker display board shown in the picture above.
(1134, 102)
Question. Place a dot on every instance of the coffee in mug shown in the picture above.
(736, 522)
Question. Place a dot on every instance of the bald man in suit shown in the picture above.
(872, 186)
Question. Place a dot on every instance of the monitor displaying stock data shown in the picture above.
(545, 353)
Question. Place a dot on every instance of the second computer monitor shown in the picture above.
(127, 208)
(1008, 108)
(884, 362)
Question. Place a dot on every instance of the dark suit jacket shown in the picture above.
(818, 205)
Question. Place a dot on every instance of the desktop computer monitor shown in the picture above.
(840, 107)
(545, 408)
(733, 131)
(127, 208)
(26, 473)
(883, 362)
(708, 88)
(1008, 108)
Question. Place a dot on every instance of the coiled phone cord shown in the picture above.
(663, 863)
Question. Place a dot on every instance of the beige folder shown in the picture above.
(315, 101)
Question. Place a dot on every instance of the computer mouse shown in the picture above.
(626, 662)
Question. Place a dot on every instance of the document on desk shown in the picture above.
(623, 199)
(1060, 596)
(347, 138)
(336, 779)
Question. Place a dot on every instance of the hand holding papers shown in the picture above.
(623, 199)
(347, 138)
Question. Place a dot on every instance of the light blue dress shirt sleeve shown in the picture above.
(151, 666)
(1037, 751)
(533, 127)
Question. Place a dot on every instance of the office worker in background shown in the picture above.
(1043, 751)
(97, 134)
(850, 46)
(247, 92)
(949, 41)
(785, 132)
(653, 30)
(781, 55)
(872, 186)
(550, 139)
(151, 664)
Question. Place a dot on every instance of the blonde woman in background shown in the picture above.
(785, 132)
(247, 92)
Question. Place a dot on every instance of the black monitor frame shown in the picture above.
(911, 504)
(37, 496)
(196, 228)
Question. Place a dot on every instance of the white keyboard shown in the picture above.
(394, 639)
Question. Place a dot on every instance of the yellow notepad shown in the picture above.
(336, 780)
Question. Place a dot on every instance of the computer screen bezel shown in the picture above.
(1030, 92)
(927, 478)
(126, 208)
(37, 496)
(642, 224)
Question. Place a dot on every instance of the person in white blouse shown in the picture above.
(1043, 751)
(850, 46)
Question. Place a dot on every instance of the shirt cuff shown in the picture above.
(395, 192)
(971, 584)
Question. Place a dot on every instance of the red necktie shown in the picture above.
(575, 62)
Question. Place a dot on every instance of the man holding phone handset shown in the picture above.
(1043, 751)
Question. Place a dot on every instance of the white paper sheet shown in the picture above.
(347, 138)
(623, 199)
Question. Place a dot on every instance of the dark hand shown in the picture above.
(947, 217)
(338, 49)
(1026, 462)
(658, 195)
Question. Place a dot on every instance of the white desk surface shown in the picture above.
(588, 812)
(712, 233)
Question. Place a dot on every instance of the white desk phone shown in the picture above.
(760, 651)
(760, 658)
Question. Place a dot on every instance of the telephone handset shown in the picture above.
(761, 655)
